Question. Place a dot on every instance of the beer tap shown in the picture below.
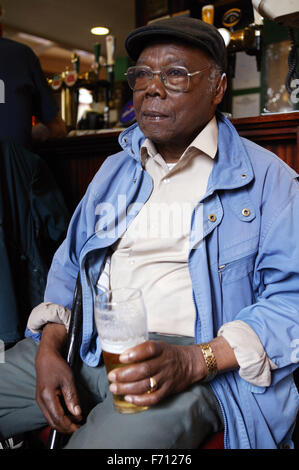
(241, 31)
(69, 82)
(110, 50)
(228, 17)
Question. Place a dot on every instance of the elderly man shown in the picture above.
(221, 293)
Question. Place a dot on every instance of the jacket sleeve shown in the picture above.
(275, 314)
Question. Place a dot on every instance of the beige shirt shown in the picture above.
(153, 253)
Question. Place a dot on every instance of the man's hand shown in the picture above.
(56, 393)
(174, 368)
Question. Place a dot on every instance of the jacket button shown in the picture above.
(212, 217)
(246, 212)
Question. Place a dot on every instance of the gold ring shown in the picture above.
(153, 385)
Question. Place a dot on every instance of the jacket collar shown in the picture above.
(131, 141)
(232, 166)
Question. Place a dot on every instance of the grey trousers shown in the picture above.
(182, 421)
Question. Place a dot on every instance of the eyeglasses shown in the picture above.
(175, 78)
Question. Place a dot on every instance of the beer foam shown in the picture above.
(118, 347)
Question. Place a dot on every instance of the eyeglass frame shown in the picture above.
(164, 80)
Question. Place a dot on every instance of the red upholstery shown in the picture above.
(216, 442)
(44, 435)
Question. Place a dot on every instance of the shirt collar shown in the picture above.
(205, 142)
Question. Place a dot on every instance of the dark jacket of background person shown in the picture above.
(33, 222)
(24, 92)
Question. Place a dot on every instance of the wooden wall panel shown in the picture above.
(75, 160)
(278, 133)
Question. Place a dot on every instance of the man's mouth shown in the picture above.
(154, 115)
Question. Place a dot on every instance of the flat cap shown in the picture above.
(189, 30)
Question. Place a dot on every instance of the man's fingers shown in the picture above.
(61, 407)
(72, 402)
(127, 388)
(141, 352)
(148, 399)
(55, 414)
(135, 372)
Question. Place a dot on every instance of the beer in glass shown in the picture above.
(122, 324)
(207, 14)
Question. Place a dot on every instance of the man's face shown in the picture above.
(172, 118)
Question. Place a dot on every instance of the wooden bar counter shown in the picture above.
(74, 160)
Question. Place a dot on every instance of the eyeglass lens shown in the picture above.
(175, 78)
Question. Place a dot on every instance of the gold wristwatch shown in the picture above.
(210, 361)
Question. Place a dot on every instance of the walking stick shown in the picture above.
(73, 342)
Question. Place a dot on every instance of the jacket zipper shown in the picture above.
(225, 430)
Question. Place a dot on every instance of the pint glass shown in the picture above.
(207, 14)
(122, 324)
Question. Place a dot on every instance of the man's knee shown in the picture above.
(181, 421)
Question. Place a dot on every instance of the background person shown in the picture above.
(26, 94)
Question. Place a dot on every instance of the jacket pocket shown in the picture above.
(236, 283)
(237, 269)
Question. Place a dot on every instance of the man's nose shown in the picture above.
(156, 87)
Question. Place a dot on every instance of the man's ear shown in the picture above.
(220, 89)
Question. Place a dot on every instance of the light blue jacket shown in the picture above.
(243, 265)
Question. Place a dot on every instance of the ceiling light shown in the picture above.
(99, 30)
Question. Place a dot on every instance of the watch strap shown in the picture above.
(210, 361)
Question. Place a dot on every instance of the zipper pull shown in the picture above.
(220, 269)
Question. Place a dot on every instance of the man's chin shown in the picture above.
(157, 132)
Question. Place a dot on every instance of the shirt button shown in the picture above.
(246, 212)
(212, 217)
